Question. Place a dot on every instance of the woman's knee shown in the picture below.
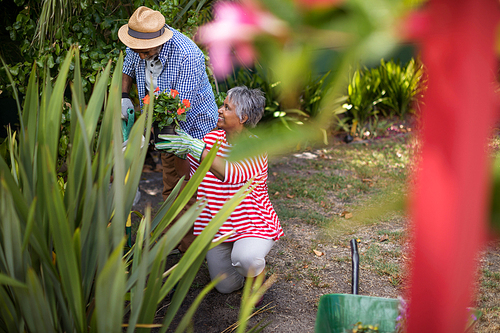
(229, 284)
(248, 265)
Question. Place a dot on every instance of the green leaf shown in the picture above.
(50, 61)
(11, 236)
(8, 281)
(183, 286)
(34, 303)
(140, 265)
(14, 70)
(67, 261)
(8, 312)
(30, 224)
(110, 292)
(50, 116)
(275, 141)
(147, 312)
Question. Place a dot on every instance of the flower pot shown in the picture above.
(165, 130)
(339, 312)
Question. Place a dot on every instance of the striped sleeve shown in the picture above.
(241, 171)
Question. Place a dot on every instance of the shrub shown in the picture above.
(257, 77)
(401, 87)
(44, 39)
(93, 25)
(389, 90)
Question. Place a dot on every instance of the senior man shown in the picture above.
(162, 56)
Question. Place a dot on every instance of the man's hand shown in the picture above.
(181, 144)
(126, 104)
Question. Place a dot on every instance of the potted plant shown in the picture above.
(168, 111)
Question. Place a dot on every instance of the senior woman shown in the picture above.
(254, 222)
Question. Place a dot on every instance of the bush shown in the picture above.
(401, 87)
(389, 90)
(93, 25)
(257, 77)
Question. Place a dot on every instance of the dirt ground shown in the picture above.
(303, 276)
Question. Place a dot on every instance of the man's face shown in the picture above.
(148, 54)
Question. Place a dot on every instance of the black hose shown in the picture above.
(355, 266)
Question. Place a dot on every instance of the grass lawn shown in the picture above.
(359, 190)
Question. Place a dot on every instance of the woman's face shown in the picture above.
(228, 119)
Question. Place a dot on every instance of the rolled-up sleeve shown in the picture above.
(129, 63)
(241, 171)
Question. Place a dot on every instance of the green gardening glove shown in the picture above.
(181, 144)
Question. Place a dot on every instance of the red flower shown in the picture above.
(180, 111)
(173, 93)
(157, 89)
(186, 103)
(145, 100)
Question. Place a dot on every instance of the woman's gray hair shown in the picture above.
(248, 102)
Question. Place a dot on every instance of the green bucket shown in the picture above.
(337, 313)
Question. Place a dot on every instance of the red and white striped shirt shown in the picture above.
(255, 215)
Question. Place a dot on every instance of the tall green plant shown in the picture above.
(62, 267)
(389, 90)
(363, 97)
(402, 86)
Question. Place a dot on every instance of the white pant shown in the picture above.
(239, 259)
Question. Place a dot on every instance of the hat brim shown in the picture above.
(142, 44)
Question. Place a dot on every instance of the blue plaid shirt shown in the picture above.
(183, 70)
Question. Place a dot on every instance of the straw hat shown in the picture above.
(145, 30)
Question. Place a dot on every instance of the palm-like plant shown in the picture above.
(62, 266)
(363, 96)
(402, 86)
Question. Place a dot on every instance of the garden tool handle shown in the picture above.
(127, 124)
(355, 266)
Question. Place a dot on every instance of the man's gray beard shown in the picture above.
(151, 58)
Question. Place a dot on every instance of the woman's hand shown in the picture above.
(181, 144)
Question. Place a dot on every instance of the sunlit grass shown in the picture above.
(369, 178)
(306, 215)
(493, 275)
(376, 257)
(393, 235)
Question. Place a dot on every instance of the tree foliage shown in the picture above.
(44, 30)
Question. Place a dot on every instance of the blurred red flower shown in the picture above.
(235, 27)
